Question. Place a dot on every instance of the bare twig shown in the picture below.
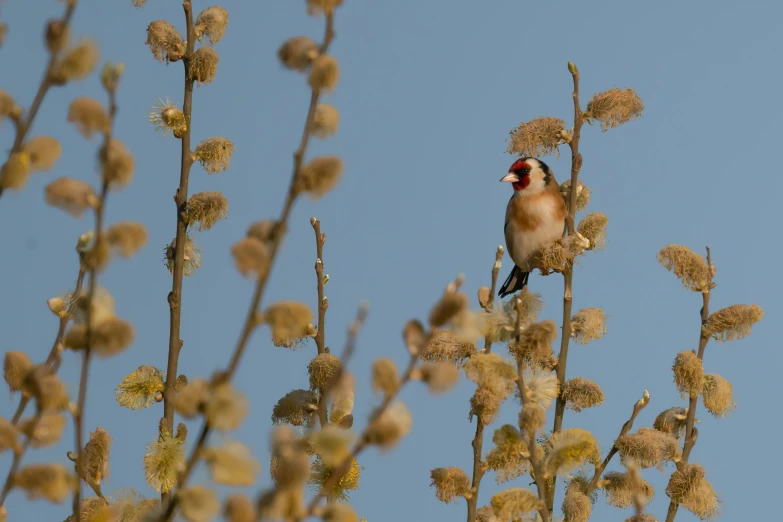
(532, 445)
(323, 304)
(637, 407)
(251, 320)
(91, 287)
(9, 479)
(25, 122)
(478, 439)
(568, 273)
(691, 433)
(180, 200)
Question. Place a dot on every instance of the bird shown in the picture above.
(535, 215)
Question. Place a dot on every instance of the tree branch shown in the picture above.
(691, 433)
(180, 200)
(92, 285)
(568, 273)
(251, 320)
(637, 407)
(25, 123)
(478, 439)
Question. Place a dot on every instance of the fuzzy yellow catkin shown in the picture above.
(440, 377)
(8, 106)
(389, 426)
(15, 171)
(509, 457)
(88, 116)
(339, 491)
(203, 65)
(295, 408)
(569, 449)
(535, 342)
(582, 194)
(687, 265)
(485, 403)
(127, 237)
(71, 195)
(588, 325)
(671, 421)
(161, 462)
(326, 120)
(451, 304)
(450, 483)
(288, 451)
(322, 369)
(490, 370)
(614, 108)
(96, 457)
(50, 481)
(43, 152)
(298, 53)
(331, 444)
(109, 337)
(43, 431)
(138, 389)
(206, 209)
(95, 509)
(9, 436)
(198, 503)
(689, 487)
(167, 117)
(339, 513)
(385, 377)
(514, 503)
(532, 417)
(118, 164)
(733, 322)
(16, 365)
(226, 407)
(541, 387)
(212, 22)
(324, 73)
(320, 7)
(264, 230)
(648, 448)
(214, 154)
(75, 63)
(190, 401)
(717, 395)
(342, 395)
(319, 176)
(577, 506)
(164, 41)
(48, 390)
(688, 373)
(621, 490)
(251, 257)
(443, 346)
(192, 257)
(536, 138)
(580, 393)
(593, 228)
(239, 508)
(232, 464)
(289, 320)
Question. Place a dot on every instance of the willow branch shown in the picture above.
(478, 439)
(180, 200)
(568, 273)
(637, 407)
(251, 320)
(691, 433)
(532, 445)
(54, 359)
(362, 444)
(18, 455)
(25, 122)
(91, 287)
(323, 304)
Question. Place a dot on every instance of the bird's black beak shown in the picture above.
(511, 176)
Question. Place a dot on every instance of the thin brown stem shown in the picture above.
(691, 433)
(323, 304)
(568, 273)
(251, 320)
(25, 122)
(180, 201)
(478, 440)
(91, 288)
(9, 479)
(637, 407)
(535, 462)
(340, 471)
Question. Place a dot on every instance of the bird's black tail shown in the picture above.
(515, 282)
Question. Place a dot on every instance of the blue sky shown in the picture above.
(428, 93)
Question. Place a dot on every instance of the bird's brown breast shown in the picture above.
(526, 212)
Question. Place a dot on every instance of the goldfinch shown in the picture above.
(535, 216)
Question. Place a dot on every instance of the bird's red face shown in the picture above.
(518, 174)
